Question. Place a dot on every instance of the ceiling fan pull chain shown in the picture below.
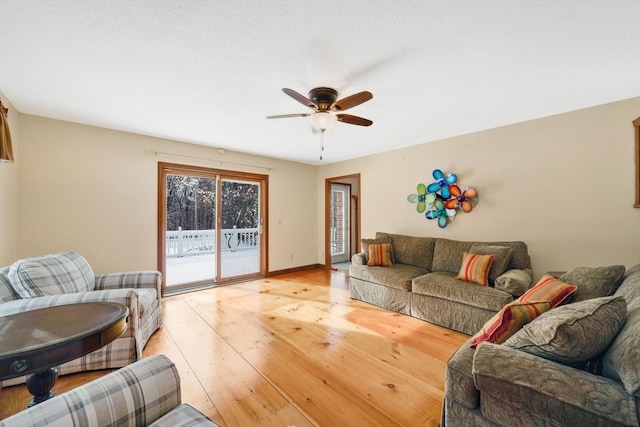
(321, 143)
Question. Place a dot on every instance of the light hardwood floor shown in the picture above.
(294, 350)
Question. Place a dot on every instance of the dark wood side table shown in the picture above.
(36, 342)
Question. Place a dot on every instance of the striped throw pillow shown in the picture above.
(508, 321)
(549, 289)
(475, 268)
(380, 255)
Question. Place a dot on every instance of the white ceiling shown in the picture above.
(208, 72)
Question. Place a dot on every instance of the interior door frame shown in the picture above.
(356, 203)
(165, 168)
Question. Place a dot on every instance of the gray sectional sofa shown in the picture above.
(422, 283)
(510, 385)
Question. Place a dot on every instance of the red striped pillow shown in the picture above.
(508, 321)
(475, 268)
(380, 255)
(549, 289)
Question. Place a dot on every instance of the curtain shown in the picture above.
(6, 151)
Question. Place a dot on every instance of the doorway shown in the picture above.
(211, 226)
(340, 223)
(342, 220)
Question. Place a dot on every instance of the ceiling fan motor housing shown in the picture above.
(323, 97)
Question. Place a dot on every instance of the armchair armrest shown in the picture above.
(513, 381)
(126, 297)
(130, 279)
(138, 394)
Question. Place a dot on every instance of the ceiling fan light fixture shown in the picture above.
(323, 121)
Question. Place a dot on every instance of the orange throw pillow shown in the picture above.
(551, 290)
(475, 268)
(380, 255)
(508, 321)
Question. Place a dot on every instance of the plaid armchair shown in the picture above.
(67, 278)
(144, 393)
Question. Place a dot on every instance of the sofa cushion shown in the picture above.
(399, 276)
(448, 255)
(514, 281)
(508, 321)
(445, 286)
(520, 258)
(622, 358)
(549, 289)
(573, 333)
(380, 255)
(53, 274)
(416, 251)
(501, 257)
(594, 282)
(475, 268)
(520, 389)
(377, 241)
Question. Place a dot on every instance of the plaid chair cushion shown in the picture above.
(54, 274)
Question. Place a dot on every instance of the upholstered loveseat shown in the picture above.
(67, 278)
(145, 393)
(533, 378)
(422, 282)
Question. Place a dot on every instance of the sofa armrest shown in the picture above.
(130, 279)
(515, 382)
(137, 394)
(515, 281)
(359, 259)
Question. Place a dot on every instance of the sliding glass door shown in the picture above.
(241, 228)
(210, 226)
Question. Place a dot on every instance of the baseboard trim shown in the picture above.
(295, 269)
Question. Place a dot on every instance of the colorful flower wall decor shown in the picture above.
(443, 198)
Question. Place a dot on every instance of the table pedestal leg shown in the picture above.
(40, 385)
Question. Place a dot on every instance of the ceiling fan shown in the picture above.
(327, 108)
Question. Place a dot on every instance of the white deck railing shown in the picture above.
(201, 242)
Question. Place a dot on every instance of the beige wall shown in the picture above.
(563, 184)
(94, 191)
(9, 192)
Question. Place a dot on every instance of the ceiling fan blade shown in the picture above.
(286, 116)
(299, 97)
(353, 120)
(351, 101)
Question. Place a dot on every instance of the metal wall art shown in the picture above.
(443, 198)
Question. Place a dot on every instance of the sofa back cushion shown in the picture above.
(54, 274)
(594, 282)
(622, 358)
(448, 254)
(410, 250)
(520, 257)
(6, 291)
